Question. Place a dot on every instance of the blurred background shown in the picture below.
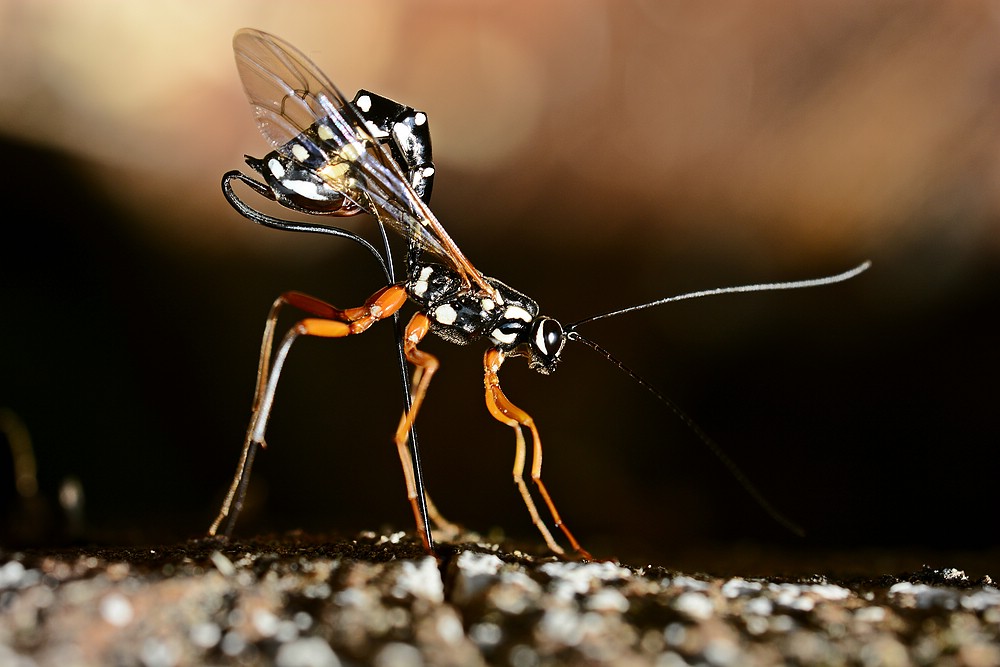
(593, 154)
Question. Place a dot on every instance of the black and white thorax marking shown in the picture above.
(508, 318)
(303, 174)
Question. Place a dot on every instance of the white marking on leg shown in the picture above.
(364, 103)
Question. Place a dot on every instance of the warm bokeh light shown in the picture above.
(823, 127)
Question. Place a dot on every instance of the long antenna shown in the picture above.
(760, 287)
(705, 439)
(734, 470)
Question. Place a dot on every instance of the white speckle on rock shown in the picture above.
(782, 623)
(392, 539)
(738, 586)
(569, 579)
(286, 631)
(158, 653)
(870, 614)
(397, 654)
(422, 580)
(233, 643)
(450, 628)
(350, 597)
(562, 626)
(12, 574)
(760, 606)
(117, 610)
(205, 635)
(523, 656)
(222, 564)
(319, 591)
(988, 597)
(720, 651)
(486, 634)
(925, 596)
(306, 652)
(302, 619)
(608, 599)
(829, 591)
(689, 583)
(475, 572)
(694, 605)
(674, 634)
(756, 625)
(264, 622)
(670, 659)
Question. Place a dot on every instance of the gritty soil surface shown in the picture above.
(298, 601)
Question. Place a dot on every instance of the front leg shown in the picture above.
(506, 412)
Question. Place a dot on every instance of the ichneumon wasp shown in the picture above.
(336, 157)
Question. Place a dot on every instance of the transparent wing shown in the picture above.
(307, 119)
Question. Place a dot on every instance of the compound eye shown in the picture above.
(548, 337)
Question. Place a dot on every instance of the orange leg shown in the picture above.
(506, 412)
(426, 365)
(328, 322)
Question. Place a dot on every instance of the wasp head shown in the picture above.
(545, 343)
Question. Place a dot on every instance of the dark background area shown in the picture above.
(134, 301)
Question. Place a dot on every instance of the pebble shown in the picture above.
(489, 607)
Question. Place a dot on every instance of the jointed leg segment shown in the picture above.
(327, 322)
(426, 365)
(506, 412)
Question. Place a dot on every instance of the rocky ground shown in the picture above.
(298, 601)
